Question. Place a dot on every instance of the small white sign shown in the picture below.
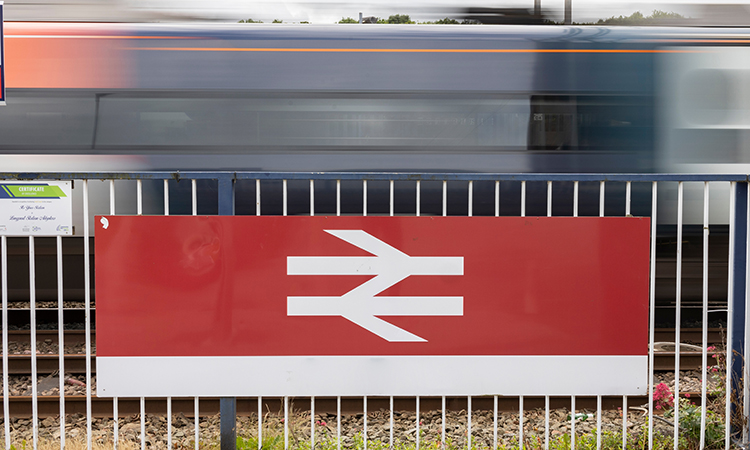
(36, 208)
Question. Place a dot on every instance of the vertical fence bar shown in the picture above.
(417, 424)
(442, 435)
(312, 197)
(364, 428)
(139, 196)
(572, 421)
(257, 197)
(169, 423)
(6, 393)
(228, 405)
(284, 196)
(523, 199)
(390, 422)
(546, 422)
(194, 196)
(627, 198)
(730, 314)
(286, 422)
(575, 199)
(260, 422)
(601, 199)
(166, 197)
(625, 421)
(61, 346)
(704, 355)
(143, 423)
(390, 196)
(471, 198)
(445, 197)
(549, 199)
(497, 198)
(468, 423)
(312, 422)
(598, 422)
(32, 312)
(338, 422)
(338, 197)
(520, 422)
(494, 421)
(678, 315)
(112, 197)
(196, 423)
(364, 197)
(87, 299)
(739, 294)
(419, 199)
(652, 320)
(116, 421)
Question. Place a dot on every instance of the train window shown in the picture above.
(303, 121)
(707, 96)
(246, 122)
(36, 120)
(599, 123)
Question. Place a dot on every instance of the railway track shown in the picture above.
(74, 324)
(19, 362)
(49, 406)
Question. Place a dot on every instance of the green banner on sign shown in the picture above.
(33, 190)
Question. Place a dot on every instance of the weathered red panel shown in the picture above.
(218, 286)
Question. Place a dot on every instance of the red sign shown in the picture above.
(295, 298)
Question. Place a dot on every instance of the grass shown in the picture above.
(609, 440)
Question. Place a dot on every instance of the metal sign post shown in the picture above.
(227, 405)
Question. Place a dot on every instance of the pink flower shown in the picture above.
(322, 423)
(687, 395)
(663, 396)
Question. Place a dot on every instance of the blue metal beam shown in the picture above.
(739, 299)
(396, 176)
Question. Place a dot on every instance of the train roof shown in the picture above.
(354, 32)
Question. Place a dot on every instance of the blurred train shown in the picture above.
(422, 98)
(371, 98)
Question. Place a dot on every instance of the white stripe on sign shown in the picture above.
(227, 376)
(360, 305)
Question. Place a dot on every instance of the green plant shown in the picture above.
(690, 425)
(272, 442)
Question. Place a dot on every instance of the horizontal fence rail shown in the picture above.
(698, 292)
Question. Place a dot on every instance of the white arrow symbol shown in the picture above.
(360, 305)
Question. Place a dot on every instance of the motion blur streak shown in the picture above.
(406, 50)
(379, 98)
(80, 61)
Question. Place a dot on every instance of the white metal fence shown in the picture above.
(710, 211)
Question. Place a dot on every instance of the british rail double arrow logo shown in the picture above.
(361, 305)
